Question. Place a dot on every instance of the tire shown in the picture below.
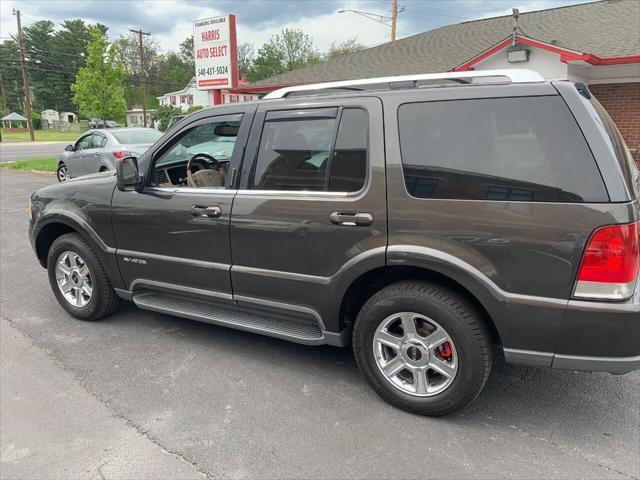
(102, 300)
(62, 173)
(467, 359)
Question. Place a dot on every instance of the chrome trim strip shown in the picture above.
(300, 277)
(266, 193)
(183, 261)
(293, 193)
(204, 190)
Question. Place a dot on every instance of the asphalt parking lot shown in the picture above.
(196, 400)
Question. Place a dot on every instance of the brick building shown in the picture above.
(597, 43)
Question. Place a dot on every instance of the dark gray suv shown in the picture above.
(430, 221)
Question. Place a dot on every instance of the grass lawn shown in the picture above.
(43, 164)
(42, 136)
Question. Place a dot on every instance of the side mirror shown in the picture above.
(128, 174)
(68, 148)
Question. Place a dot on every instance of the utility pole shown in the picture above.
(142, 84)
(5, 110)
(25, 78)
(394, 19)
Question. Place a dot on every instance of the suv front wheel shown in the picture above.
(422, 347)
(78, 279)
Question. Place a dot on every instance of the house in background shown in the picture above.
(50, 116)
(597, 43)
(68, 117)
(186, 98)
(190, 96)
(134, 116)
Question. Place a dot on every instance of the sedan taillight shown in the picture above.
(121, 154)
(610, 263)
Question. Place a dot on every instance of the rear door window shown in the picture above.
(518, 149)
(313, 150)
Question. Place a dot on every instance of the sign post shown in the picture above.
(215, 50)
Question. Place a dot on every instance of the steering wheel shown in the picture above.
(193, 179)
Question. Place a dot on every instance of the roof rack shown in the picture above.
(402, 81)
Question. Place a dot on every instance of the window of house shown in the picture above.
(516, 149)
(313, 150)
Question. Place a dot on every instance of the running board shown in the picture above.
(307, 333)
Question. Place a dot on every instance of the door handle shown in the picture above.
(351, 219)
(210, 212)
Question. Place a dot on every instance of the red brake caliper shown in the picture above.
(445, 351)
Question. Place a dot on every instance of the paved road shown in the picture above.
(236, 405)
(25, 150)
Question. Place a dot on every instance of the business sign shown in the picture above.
(215, 52)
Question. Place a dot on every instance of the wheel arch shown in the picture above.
(54, 227)
(372, 281)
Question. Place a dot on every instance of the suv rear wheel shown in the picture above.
(422, 347)
(78, 279)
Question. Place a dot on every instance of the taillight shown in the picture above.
(121, 154)
(610, 263)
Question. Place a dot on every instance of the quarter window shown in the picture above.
(514, 149)
(313, 152)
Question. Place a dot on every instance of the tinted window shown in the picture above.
(518, 149)
(349, 165)
(136, 136)
(296, 153)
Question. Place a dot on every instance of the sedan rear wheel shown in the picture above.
(63, 173)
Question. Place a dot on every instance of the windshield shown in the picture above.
(137, 136)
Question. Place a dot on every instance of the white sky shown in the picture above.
(170, 21)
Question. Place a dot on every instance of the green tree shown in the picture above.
(186, 52)
(98, 87)
(246, 52)
(11, 76)
(173, 74)
(340, 49)
(163, 114)
(128, 54)
(289, 50)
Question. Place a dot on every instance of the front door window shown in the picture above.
(199, 158)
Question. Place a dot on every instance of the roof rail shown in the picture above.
(513, 76)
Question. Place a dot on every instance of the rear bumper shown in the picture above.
(594, 336)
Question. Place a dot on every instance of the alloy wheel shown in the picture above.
(74, 279)
(63, 173)
(415, 354)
